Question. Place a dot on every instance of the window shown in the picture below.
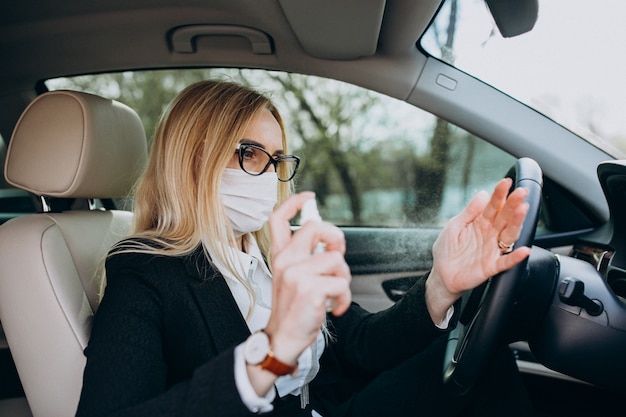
(567, 67)
(372, 160)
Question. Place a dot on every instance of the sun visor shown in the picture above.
(331, 29)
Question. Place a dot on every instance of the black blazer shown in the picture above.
(163, 339)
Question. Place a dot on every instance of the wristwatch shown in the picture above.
(258, 352)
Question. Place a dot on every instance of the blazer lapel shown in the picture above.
(216, 303)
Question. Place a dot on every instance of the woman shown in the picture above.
(204, 314)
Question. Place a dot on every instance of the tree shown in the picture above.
(324, 123)
(430, 171)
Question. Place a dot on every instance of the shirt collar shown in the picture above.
(242, 259)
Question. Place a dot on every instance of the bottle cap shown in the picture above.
(309, 212)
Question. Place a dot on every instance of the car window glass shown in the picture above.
(567, 67)
(372, 160)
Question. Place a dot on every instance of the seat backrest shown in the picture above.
(65, 145)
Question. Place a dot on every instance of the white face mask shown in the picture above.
(248, 200)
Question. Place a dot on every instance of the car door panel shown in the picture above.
(383, 260)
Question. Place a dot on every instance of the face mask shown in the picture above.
(248, 200)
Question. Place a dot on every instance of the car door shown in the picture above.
(385, 262)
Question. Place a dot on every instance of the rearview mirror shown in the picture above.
(514, 17)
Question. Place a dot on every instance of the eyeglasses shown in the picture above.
(255, 160)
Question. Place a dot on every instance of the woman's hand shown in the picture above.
(302, 281)
(467, 252)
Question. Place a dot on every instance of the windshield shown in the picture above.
(568, 67)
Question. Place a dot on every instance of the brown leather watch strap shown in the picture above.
(275, 366)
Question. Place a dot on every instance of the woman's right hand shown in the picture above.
(304, 280)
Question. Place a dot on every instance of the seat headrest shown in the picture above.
(76, 145)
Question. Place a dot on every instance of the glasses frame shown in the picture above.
(271, 161)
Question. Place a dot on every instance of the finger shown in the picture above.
(512, 230)
(330, 263)
(313, 233)
(509, 221)
(508, 261)
(333, 288)
(316, 280)
(472, 210)
(498, 199)
(295, 263)
(303, 243)
(280, 228)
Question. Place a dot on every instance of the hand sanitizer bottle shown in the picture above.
(308, 213)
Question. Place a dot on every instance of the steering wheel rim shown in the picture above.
(487, 308)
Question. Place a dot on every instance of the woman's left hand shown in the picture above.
(469, 249)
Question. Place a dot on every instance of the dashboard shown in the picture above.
(574, 306)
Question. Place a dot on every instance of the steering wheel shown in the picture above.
(485, 309)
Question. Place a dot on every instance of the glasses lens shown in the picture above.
(287, 167)
(253, 159)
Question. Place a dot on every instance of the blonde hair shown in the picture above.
(177, 200)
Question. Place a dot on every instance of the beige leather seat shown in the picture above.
(65, 145)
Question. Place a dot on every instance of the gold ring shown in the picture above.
(505, 248)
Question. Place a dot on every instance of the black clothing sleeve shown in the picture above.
(374, 342)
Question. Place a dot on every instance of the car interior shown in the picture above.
(70, 154)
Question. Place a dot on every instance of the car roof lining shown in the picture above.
(141, 39)
(80, 33)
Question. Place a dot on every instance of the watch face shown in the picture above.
(256, 348)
